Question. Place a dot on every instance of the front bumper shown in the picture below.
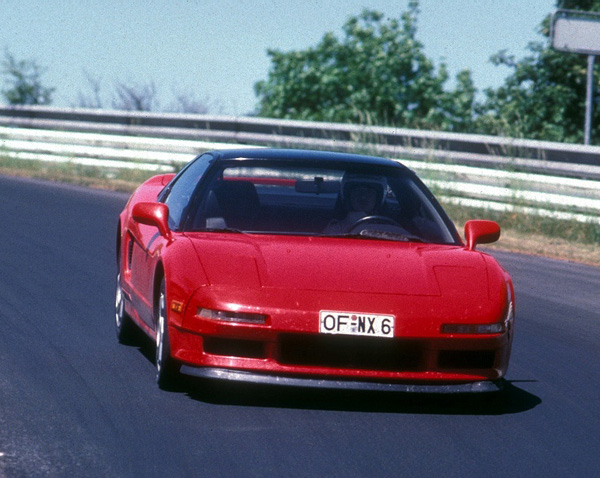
(485, 386)
(429, 361)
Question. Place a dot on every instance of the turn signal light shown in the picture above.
(496, 328)
(228, 316)
(177, 306)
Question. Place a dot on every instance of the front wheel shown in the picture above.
(166, 367)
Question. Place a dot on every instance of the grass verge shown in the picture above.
(565, 240)
(124, 180)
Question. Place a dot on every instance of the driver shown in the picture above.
(362, 195)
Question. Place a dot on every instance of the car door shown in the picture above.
(148, 243)
(145, 253)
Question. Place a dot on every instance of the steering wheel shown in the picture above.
(374, 218)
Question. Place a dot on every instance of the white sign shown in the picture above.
(576, 32)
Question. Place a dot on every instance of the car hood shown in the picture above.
(340, 265)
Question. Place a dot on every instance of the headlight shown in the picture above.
(228, 316)
(495, 328)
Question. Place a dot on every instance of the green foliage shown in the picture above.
(376, 72)
(582, 5)
(544, 96)
(24, 82)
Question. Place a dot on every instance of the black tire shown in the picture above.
(124, 326)
(167, 369)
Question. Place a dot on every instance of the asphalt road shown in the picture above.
(73, 402)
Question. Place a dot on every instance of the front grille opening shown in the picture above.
(234, 347)
(466, 359)
(364, 353)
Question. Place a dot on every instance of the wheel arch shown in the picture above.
(118, 243)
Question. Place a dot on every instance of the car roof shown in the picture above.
(303, 154)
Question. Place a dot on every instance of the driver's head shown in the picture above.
(362, 192)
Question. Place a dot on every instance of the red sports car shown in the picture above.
(311, 269)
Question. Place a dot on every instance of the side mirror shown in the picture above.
(153, 214)
(481, 232)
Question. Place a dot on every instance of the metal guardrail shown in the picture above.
(552, 179)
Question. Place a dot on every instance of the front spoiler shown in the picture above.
(265, 379)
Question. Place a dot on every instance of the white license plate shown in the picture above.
(356, 323)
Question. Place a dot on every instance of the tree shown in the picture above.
(24, 82)
(187, 102)
(94, 98)
(142, 97)
(135, 97)
(544, 96)
(377, 73)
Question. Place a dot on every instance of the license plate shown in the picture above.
(356, 323)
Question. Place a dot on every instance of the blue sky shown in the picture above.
(217, 48)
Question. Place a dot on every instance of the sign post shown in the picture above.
(579, 32)
(589, 93)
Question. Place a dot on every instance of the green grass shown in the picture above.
(573, 231)
(106, 178)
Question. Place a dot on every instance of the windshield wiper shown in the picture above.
(375, 234)
(389, 236)
(223, 229)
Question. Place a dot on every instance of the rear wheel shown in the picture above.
(124, 326)
(166, 368)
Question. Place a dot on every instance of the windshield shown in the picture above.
(334, 200)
